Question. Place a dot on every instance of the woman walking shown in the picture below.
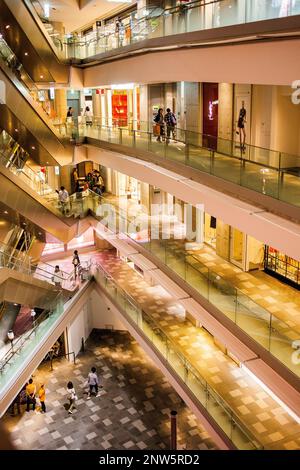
(76, 263)
(72, 396)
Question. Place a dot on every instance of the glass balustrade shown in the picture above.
(13, 259)
(270, 331)
(176, 360)
(154, 22)
(266, 171)
(77, 205)
(12, 363)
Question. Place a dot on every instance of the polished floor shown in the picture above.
(248, 172)
(265, 308)
(131, 413)
(271, 425)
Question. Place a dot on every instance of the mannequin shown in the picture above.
(241, 126)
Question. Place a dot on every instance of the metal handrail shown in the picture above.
(181, 353)
(18, 344)
(210, 273)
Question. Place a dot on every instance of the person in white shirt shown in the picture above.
(93, 382)
(57, 276)
(63, 197)
(72, 396)
(88, 116)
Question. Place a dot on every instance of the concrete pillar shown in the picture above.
(109, 107)
(225, 112)
(134, 107)
(60, 103)
(96, 104)
(145, 195)
(144, 106)
(103, 111)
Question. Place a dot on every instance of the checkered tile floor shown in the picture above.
(271, 425)
(132, 411)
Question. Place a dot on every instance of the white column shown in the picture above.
(134, 107)
(109, 107)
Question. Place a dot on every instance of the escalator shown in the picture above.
(27, 33)
(22, 117)
(25, 192)
(26, 283)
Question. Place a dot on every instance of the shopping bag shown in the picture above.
(156, 129)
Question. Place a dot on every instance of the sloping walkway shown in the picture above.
(269, 422)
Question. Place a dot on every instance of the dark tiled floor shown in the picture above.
(131, 413)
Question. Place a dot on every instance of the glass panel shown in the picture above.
(253, 319)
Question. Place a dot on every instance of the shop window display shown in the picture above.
(282, 266)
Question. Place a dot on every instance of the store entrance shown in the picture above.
(237, 243)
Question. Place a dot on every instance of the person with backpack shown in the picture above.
(159, 120)
(171, 122)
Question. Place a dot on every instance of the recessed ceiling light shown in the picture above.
(24, 223)
(33, 147)
(40, 233)
(5, 212)
(16, 130)
(7, 26)
(41, 76)
(26, 53)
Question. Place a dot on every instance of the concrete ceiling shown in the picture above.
(78, 13)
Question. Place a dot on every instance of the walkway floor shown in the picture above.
(249, 175)
(268, 421)
(130, 413)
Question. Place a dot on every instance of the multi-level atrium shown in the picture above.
(150, 225)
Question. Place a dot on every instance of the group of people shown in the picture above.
(29, 394)
(93, 384)
(165, 121)
(87, 115)
(93, 181)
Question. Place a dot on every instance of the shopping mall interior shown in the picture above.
(150, 225)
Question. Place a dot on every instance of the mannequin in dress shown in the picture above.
(241, 126)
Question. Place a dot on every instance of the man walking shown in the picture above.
(30, 395)
(42, 397)
(63, 197)
(93, 382)
(170, 121)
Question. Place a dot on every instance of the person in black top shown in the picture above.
(76, 263)
(70, 112)
(159, 120)
(241, 126)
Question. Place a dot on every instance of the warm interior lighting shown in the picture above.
(122, 86)
(272, 394)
